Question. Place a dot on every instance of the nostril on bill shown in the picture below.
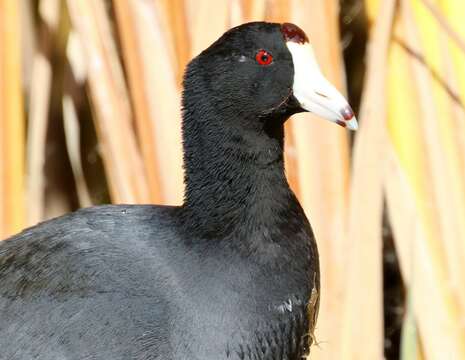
(320, 94)
(347, 113)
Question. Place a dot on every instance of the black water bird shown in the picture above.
(228, 275)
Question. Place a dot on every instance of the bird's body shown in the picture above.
(230, 274)
(122, 284)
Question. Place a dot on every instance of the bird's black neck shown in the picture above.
(234, 174)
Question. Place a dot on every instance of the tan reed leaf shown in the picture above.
(164, 101)
(135, 70)
(438, 316)
(37, 133)
(113, 118)
(363, 310)
(177, 19)
(72, 136)
(439, 149)
(11, 120)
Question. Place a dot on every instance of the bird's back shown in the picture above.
(77, 287)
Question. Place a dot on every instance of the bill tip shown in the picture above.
(352, 124)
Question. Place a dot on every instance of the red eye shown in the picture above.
(263, 57)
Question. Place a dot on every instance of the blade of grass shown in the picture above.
(109, 97)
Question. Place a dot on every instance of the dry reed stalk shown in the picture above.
(164, 99)
(254, 10)
(323, 172)
(39, 102)
(372, 10)
(404, 120)
(363, 316)
(28, 42)
(2, 145)
(163, 11)
(452, 137)
(445, 24)
(236, 13)
(75, 58)
(455, 72)
(278, 10)
(422, 256)
(437, 123)
(456, 115)
(11, 120)
(409, 341)
(436, 314)
(109, 97)
(77, 76)
(453, 10)
(37, 131)
(176, 15)
(204, 32)
(454, 99)
(72, 136)
(134, 67)
(443, 150)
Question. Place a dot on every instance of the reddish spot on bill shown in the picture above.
(342, 123)
(293, 33)
(347, 113)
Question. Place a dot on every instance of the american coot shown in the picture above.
(228, 275)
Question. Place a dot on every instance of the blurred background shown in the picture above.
(90, 114)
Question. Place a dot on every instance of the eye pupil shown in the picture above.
(263, 57)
